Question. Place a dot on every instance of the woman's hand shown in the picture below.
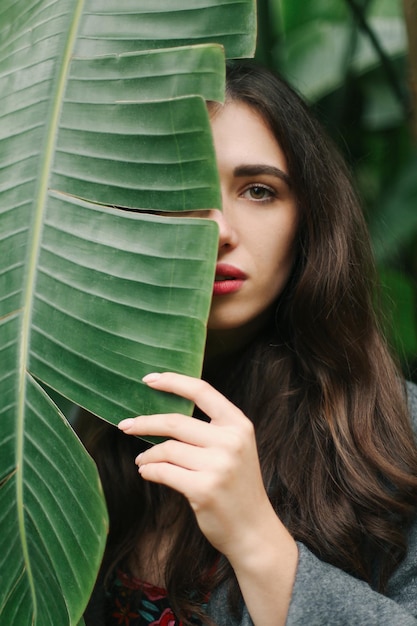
(216, 467)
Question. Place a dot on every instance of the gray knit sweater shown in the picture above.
(326, 596)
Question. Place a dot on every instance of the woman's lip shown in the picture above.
(228, 279)
(224, 270)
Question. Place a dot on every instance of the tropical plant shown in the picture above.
(103, 123)
(352, 60)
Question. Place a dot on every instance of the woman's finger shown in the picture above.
(173, 425)
(177, 478)
(176, 453)
(208, 399)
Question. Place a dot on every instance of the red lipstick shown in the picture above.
(228, 279)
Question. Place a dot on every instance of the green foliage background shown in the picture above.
(351, 60)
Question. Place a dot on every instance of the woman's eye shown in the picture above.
(259, 193)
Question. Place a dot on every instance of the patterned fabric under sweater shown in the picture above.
(132, 602)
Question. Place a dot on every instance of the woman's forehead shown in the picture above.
(241, 134)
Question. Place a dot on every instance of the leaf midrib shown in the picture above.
(40, 206)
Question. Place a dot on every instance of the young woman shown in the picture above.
(292, 500)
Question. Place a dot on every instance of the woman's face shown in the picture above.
(258, 223)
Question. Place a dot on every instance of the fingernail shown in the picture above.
(151, 378)
(138, 458)
(125, 424)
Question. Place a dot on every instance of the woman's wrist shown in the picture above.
(264, 559)
(265, 563)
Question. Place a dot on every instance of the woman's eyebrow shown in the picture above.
(256, 170)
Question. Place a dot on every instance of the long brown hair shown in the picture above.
(328, 403)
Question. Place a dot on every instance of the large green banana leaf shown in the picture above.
(102, 117)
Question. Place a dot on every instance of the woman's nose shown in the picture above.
(227, 234)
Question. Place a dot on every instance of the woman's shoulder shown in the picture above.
(412, 403)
